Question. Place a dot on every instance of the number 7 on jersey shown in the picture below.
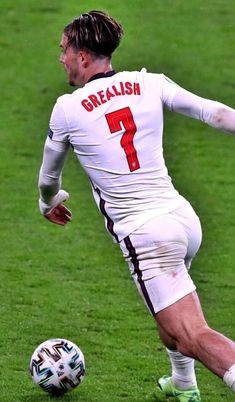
(114, 120)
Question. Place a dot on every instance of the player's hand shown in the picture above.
(59, 215)
(56, 212)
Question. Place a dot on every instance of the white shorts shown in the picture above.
(159, 255)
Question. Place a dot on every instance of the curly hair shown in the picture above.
(95, 31)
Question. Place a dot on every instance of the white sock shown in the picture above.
(229, 378)
(183, 373)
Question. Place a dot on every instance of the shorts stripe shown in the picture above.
(138, 272)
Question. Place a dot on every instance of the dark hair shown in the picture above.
(95, 31)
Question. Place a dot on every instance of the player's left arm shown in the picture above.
(214, 113)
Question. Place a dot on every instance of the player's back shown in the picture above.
(115, 127)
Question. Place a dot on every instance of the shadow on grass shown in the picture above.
(48, 398)
(81, 397)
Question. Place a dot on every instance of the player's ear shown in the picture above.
(85, 58)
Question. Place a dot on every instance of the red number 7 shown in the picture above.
(114, 121)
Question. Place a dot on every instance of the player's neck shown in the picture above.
(98, 67)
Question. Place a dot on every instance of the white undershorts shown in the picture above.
(159, 255)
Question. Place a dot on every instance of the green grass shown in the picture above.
(72, 282)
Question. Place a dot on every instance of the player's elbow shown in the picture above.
(224, 119)
(221, 116)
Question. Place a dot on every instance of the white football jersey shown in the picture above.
(115, 126)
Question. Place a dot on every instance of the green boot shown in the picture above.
(166, 386)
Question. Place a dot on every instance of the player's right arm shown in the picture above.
(49, 183)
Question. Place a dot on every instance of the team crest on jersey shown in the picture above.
(50, 133)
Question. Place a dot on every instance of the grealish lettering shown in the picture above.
(121, 89)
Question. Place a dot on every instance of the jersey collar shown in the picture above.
(102, 75)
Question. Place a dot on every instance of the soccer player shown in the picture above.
(114, 124)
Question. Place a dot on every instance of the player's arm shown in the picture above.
(54, 155)
(49, 183)
(211, 112)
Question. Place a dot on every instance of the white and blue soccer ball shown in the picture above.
(57, 366)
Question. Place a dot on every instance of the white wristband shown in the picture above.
(46, 208)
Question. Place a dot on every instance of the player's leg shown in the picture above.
(156, 255)
(183, 374)
(195, 339)
(157, 263)
(213, 349)
(183, 367)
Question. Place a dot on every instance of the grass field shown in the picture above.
(71, 282)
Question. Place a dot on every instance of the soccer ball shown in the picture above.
(57, 366)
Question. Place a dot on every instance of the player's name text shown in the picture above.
(103, 96)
